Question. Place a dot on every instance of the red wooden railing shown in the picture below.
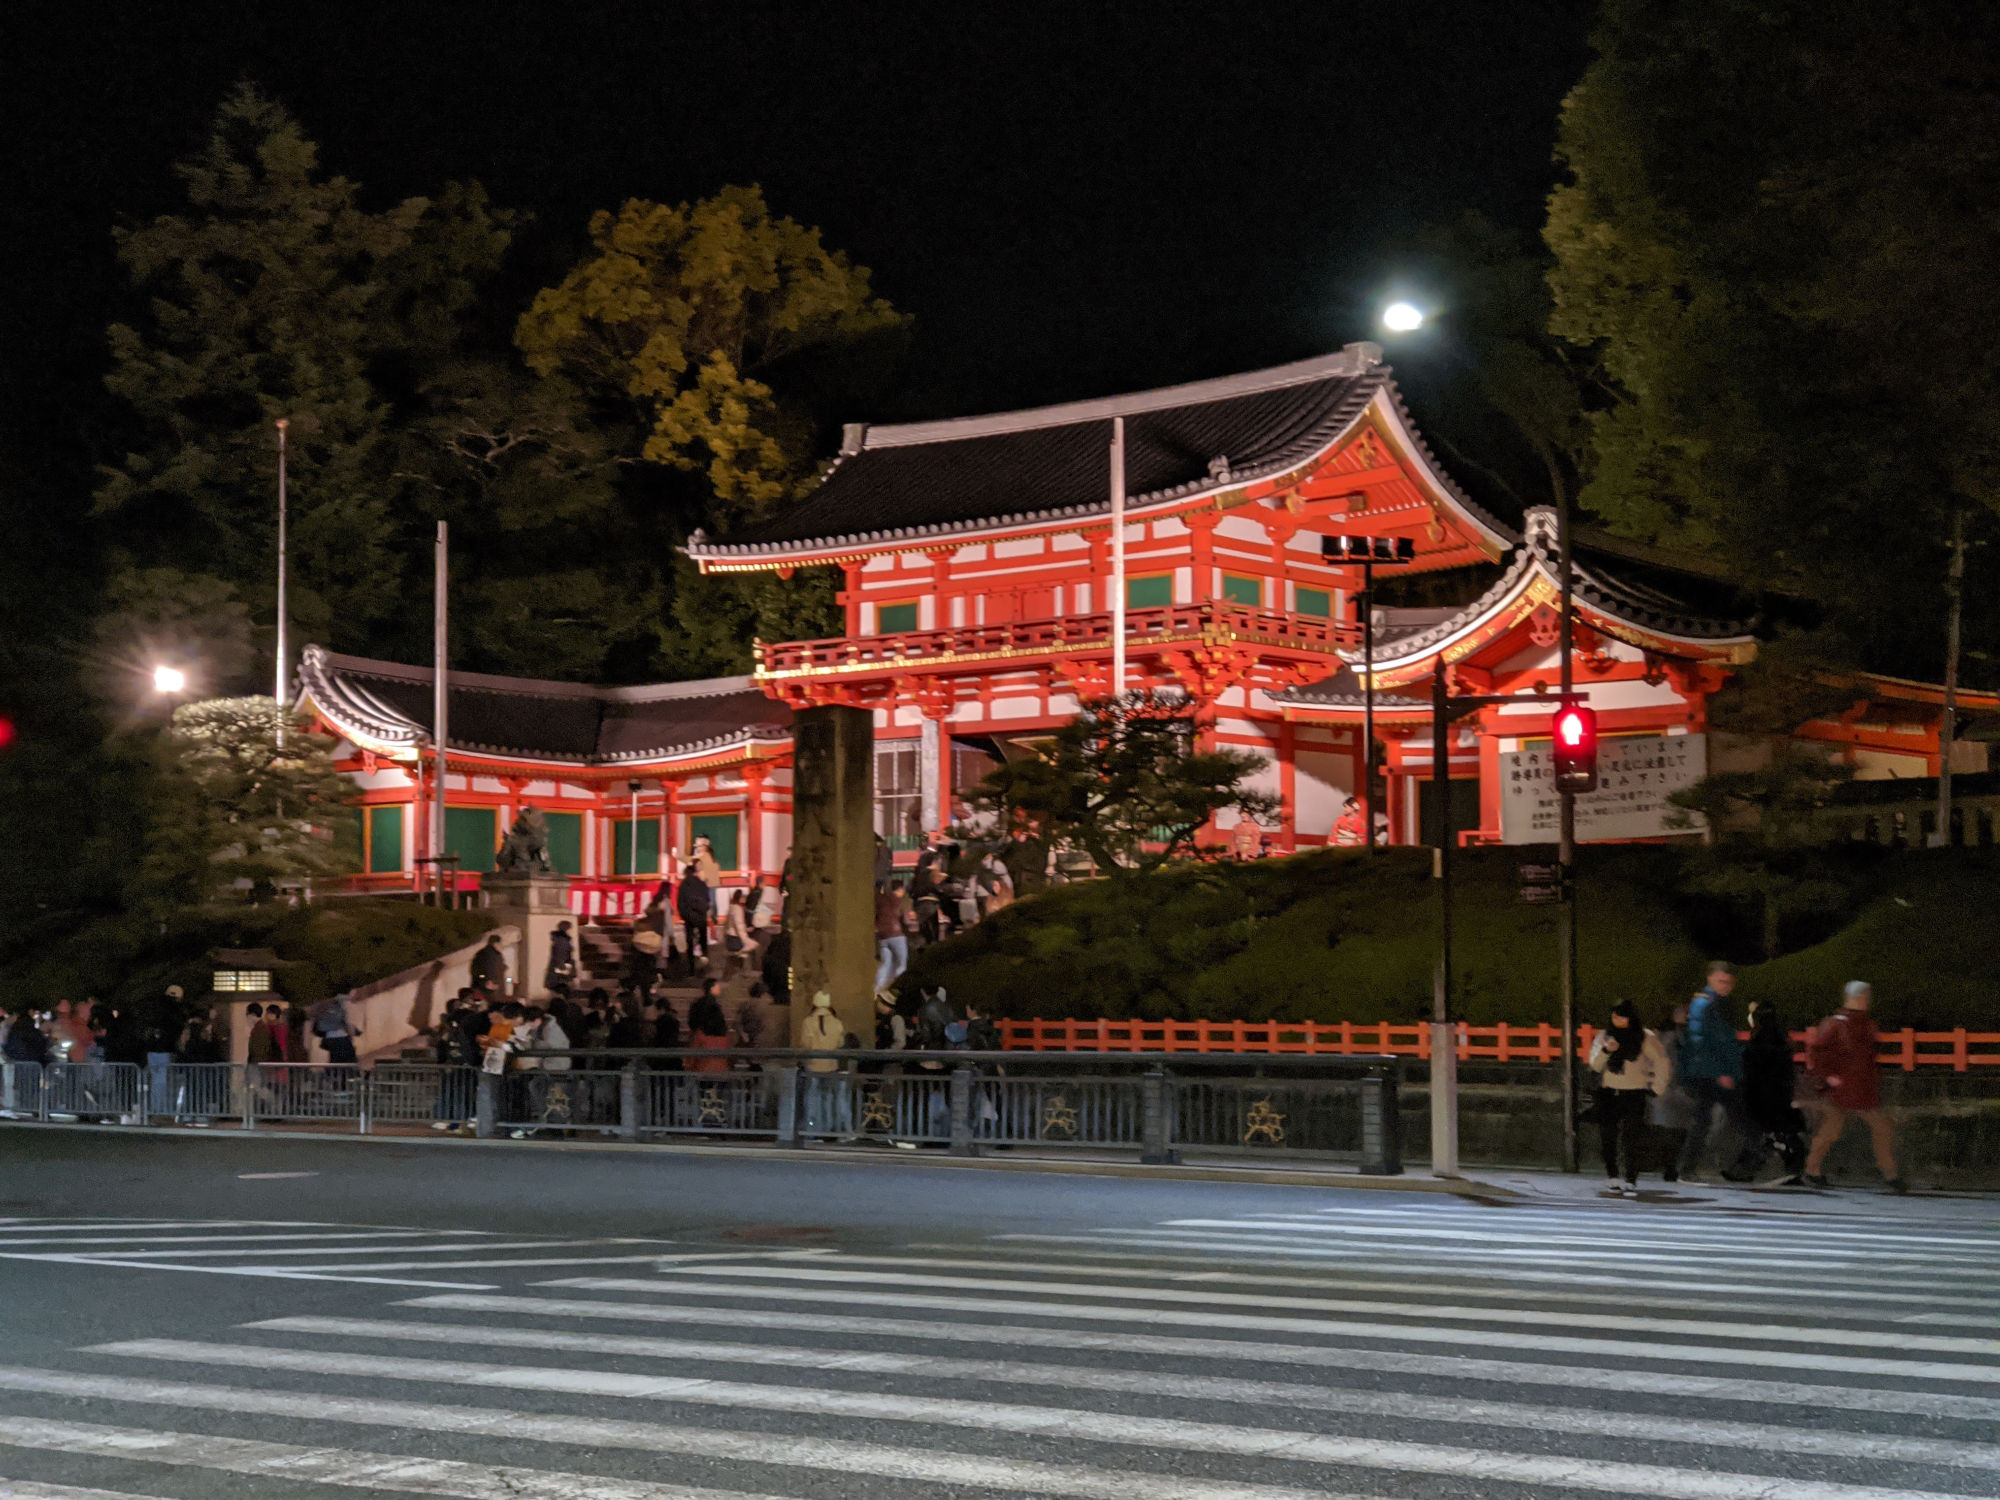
(1175, 622)
(1959, 1050)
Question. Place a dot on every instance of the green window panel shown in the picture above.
(891, 619)
(470, 833)
(385, 840)
(649, 847)
(1238, 590)
(1154, 592)
(720, 831)
(1313, 602)
(566, 842)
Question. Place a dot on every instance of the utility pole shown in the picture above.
(1566, 855)
(1368, 700)
(1954, 589)
(1444, 1045)
(281, 691)
(1117, 556)
(440, 705)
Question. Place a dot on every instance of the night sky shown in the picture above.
(1072, 199)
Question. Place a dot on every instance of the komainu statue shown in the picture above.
(525, 850)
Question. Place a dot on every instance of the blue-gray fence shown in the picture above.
(1341, 1108)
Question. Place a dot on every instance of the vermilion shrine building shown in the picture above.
(976, 555)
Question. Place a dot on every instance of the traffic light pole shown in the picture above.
(1566, 861)
(1368, 702)
(1444, 1043)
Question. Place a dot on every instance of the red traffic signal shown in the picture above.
(1576, 748)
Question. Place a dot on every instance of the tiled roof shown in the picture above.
(389, 704)
(1652, 598)
(1053, 463)
(1343, 690)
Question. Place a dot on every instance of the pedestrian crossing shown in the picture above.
(306, 1250)
(1401, 1348)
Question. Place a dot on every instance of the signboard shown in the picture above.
(1541, 885)
(1635, 775)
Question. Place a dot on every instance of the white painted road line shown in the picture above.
(293, 1464)
(837, 1455)
(1062, 1423)
(470, 1240)
(29, 1489)
(1853, 1338)
(293, 1274)
(1630, 1296)
(1758, 1437)
(467, 1265)
(1189, 1249)
(1627, 1236)
(362, 1252)
(1601, 1349)
(1260, 1352)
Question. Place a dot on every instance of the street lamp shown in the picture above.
(169, 680)
(1402, 317)
(1371, 552)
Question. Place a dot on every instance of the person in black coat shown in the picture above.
(694, 903)
(562, 962)
(1769, 1081)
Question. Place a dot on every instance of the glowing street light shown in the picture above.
(1402, 317)
(169, 680)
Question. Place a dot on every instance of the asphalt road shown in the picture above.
(269, 1317)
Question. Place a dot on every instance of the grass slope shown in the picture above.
(1332, 936)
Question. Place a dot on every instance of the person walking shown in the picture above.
(1842, 1057)
(336, 1030)
(1711, 1063)
(561, 972)
(263, 1043)
(1632, 1068)
(708, 1029)
(489, 969)
(892, 946)
(694, 903)
(1668, 1113)
(826, 1097)
(1769, 1089)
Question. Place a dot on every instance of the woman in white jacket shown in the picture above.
(1632, 1067)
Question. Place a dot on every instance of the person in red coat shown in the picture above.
(1842, 1056)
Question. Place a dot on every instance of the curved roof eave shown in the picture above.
(1381, 396)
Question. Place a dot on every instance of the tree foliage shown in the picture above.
(234, 811)
(1766, 858)
(1123, 782)
(276, 293)
(1775, 236)
(726, 331)
(702, 314)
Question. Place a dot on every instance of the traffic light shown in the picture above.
(1576, 748)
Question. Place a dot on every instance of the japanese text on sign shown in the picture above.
(1635, 776)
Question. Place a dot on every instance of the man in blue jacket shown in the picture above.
(1711, 1064)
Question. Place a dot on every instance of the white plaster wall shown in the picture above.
(1319, 786)
(1241, 527)
(1031, 546)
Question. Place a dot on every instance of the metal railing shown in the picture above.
(964, 1102)
(1211, 620)
(1960, 1050)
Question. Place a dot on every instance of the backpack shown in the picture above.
(957, 1036)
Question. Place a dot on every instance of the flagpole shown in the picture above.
(440, 650)
(280, 689)
(1117, 556)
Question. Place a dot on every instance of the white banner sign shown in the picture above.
(1635, 775)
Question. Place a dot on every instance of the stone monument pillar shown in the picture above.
(534, 903)
(831, 907)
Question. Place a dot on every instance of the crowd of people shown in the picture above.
(948, 891)
(1660, 1094)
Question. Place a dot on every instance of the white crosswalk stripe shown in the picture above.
(339, 1252)
(1127, 1371)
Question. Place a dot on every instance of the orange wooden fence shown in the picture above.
(1958, 1050)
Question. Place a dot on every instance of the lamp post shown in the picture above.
(1371, 552)
(281, 688)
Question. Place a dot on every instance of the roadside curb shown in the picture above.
(1300, 1177)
